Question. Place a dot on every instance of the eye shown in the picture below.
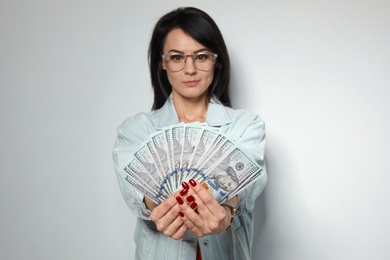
(202, 56)
(176, 57)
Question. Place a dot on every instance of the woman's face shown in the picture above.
(189, 83)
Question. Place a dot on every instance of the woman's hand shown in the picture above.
(166, 217)
(200, 212)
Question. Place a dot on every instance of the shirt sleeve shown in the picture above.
(252, 140)
(131, 134)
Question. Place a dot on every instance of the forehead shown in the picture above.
(178, 40)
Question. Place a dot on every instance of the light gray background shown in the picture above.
(316, 71)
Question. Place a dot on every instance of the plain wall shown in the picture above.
(316, 71)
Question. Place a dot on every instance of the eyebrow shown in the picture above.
(203, 49)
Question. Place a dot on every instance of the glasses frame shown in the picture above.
(214, 55)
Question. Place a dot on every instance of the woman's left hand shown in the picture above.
(201, 213)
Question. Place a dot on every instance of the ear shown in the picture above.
(164, 67)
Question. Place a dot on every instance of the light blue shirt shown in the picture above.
(241, 126)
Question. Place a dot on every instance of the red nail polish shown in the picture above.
(183, 192)
(190, 198)
(179, 200)
(185, 185)
(193, 183)
(181, 214)
(193, 205)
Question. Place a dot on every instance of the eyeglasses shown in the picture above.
(203, 60)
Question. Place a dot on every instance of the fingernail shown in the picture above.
(193, 205)
(193, 183)
(179, 200)
(190, 198)
(181, 214)
(183, 192)
(185, 185)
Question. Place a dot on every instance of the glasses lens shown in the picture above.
(176, 62)
(202, 61)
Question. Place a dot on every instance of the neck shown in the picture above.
(191, 110)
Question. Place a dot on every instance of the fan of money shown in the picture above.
(190, 151)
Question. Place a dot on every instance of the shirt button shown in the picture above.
(205, 242)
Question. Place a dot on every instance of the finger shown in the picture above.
(180, 232)
(187, 222)
(212, 213)
(170, 223)
(161, 210)
(186, 193)
(189, 215)
(191, 197)
(209, 203)
(172, 228)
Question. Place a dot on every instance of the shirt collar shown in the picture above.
(216, 114)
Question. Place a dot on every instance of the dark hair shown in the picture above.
(200, 26)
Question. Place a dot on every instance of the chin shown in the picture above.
(193, 95)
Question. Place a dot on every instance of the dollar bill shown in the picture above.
(168, 139)
(140, 175)
(192, 134)
(154, 152)
(141, 188)
(177, 143)
(243, 185)
(228, 174)
(221, 148)
(162, 147)
(206, 141)
(190, 151)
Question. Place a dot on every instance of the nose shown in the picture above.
(189, 66)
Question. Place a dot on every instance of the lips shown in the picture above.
(191, 83)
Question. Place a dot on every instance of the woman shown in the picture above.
(190, 74)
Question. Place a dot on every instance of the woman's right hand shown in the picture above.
(166, 217)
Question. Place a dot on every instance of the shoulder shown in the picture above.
(242, 115)
(243, 125)
(242, 118)
(137, 127)
(137, 119)
(220, 115)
